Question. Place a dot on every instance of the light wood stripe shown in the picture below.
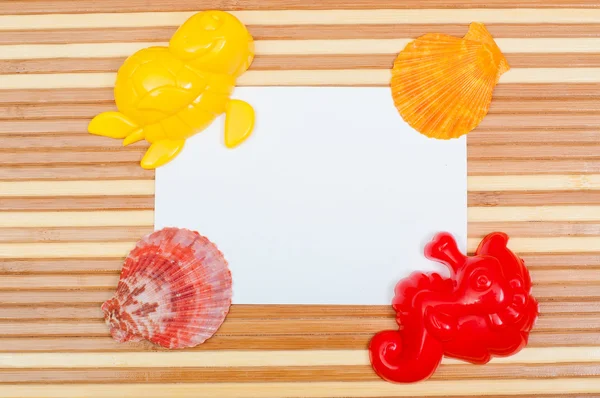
(533, 183)
(342, 77)
(306, 17)
(77, 218)
(292, 47)
(297, 32)
(74, 249)
(271, 358)
(311, 389)
(537, 213)
(75, 188)
(45, 6)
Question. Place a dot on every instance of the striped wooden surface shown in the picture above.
(71, 204)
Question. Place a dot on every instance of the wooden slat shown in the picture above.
(308, 17)
(559, 387)
(257, 312)
(241, 327)
(71, 234)
(296, 32)
(54, 282)
(261, 343)
(44, 6)
(535, 228)
(105, 95)
(61, 189)
(210, 359)
(287, 374)
(501, 106)
(303, 62)
(330, 77)
(492, 167)
(61, 265)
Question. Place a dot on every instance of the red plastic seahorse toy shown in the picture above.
(484, 309)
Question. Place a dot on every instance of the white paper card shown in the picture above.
(330, 201)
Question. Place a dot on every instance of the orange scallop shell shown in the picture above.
(442, 85)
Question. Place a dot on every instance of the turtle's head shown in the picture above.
(214, 41)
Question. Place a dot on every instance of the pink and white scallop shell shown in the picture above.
(175, 291)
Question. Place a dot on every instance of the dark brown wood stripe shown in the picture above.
(284, 374)
(78, 140)
(276, 312)
(300, 32)
(501, 106)
(56, 157)
(535, 151)
(59, 96)
(528, 137)
(248, 312)
(110, 171)
(293, 62)
(103, 344)
(232, 327)
(536, 229)
(567, 260)
(86, 6)
(524, 198)
(532, 167)
(273, 327)
(546, 121)
(288, 342)
(523, 91)
(567, 292)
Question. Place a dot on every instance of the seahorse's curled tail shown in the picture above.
(397, 362)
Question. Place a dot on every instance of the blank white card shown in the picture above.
(330, 201)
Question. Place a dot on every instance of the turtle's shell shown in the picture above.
(152, 84)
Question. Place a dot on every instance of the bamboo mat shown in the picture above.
(71, 204)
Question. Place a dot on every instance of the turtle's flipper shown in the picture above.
(239, 122)
(136, 136)
(112, 124)
(161, 152)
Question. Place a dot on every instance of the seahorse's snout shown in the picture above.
(519, 306)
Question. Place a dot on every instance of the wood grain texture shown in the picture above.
(71, 204)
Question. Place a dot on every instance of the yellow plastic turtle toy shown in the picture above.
(167, 94)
